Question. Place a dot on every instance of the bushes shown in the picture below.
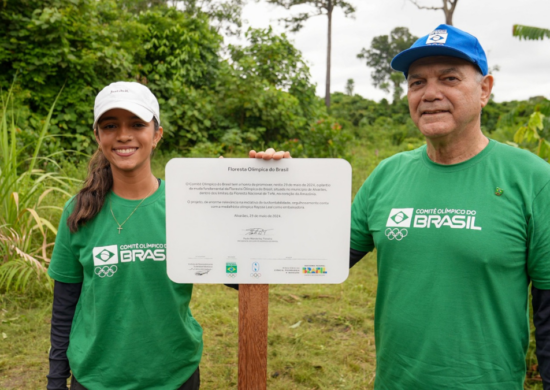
(260, 95)
(81, 44)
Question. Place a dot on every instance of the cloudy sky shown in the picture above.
(524, 65)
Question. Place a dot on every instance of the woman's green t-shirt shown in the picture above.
(132, 328)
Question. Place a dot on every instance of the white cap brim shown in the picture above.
(137, 109)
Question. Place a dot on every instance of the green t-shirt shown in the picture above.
(457, 246)
(132, 328)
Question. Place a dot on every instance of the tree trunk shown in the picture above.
(449, 9)
(327, 87)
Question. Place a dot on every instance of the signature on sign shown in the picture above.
(256, 232)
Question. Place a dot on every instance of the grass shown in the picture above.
(320, 336)
(331, 348)
(24, 341)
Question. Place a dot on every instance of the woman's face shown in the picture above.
(126, 140)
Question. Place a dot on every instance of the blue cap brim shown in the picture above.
(403, 60)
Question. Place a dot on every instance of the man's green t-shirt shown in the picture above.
(457, 246)
(132, 327)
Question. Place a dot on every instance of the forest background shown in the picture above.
(215, 98)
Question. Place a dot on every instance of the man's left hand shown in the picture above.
(269, 154)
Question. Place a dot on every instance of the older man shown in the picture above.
(461, 227)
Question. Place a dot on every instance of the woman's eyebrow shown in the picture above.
(107, 118)
(110, 118)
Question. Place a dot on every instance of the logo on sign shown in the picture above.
(314, 270)
(231, 269)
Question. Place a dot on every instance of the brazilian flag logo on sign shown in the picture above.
(230, 268)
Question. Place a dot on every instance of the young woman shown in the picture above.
(118, 322)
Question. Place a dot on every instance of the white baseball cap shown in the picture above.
(130, 96)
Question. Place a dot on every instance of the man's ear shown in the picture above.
(486, 89)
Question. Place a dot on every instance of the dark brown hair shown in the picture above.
(98, 183)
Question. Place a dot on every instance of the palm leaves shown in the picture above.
(530, 33)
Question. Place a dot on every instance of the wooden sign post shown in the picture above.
(253, 309)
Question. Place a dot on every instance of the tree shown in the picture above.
(83, 45)
(382, 49)
(256, 97)
(223, 14)
(350, 86)
(137, 6)
(320, 7)
(448, 8)
(530, 33)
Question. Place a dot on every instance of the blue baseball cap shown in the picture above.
(445, 40)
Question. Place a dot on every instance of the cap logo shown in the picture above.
(119, 90)
(437, 37)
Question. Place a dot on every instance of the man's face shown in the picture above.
(446, 95)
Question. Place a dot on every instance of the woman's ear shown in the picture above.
(157, 137)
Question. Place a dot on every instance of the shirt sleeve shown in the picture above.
(541, 319)
(65, 265)
(538, 257)
(355, 257)
(361, 238)
(65, 298)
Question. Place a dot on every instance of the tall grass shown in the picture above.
(26, 232)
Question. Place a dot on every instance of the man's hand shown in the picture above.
(269, 154)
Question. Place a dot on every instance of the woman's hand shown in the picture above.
(269, 154)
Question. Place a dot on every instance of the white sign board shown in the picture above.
(249, 221)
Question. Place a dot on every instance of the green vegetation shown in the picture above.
(382, 49)
(320, 336)
(233, 97)
(215, 99)
(530, 33)
(27, 224)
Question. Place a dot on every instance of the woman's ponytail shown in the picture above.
(91, 197)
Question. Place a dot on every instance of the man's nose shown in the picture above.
(431, 91)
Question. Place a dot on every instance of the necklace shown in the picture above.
(132, 213)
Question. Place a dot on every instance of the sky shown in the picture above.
(524, 65)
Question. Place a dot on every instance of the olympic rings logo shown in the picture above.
(231, 275)
(396, 234)
(255, 275)
(106, 271)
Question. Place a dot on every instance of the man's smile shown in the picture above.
(434, 112)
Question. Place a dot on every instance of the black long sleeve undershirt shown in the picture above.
(65, 298)
(355, 257)
(541, 319)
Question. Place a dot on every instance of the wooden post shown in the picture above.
(253, 309)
